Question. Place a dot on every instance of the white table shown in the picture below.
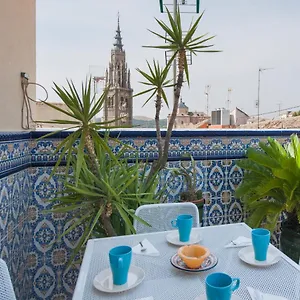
(164, 282)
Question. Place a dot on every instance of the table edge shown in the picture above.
(84, 268)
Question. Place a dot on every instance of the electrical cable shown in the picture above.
(26, 111)
(276, 111)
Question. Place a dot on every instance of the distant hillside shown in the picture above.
(143, 118)
(144, 122)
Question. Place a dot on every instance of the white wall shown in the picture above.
(17, 54)
(240, 118)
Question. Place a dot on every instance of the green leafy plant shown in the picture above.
(296, 113)
(156, 79)
(271, 183)
(122, 184)
(103, 183)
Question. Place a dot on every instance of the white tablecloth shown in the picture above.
(164, 282)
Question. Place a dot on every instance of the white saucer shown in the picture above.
(203, 297)
(173, 238)
(210, 262)
(103, 281)
(247, 255)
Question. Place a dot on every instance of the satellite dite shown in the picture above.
(186, 6)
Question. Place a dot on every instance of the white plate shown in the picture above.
(203, 297)
(104, 282)
(210, 262)
(173, 238)
(247, 255)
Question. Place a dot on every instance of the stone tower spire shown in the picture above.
(118, 44)
(118, 104)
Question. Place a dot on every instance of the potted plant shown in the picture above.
(190, 193)
(271, 189)
(102, 189)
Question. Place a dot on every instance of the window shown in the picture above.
(119, 78)
(110, 102)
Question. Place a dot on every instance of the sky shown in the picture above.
(75, 38)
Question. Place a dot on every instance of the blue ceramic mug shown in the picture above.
(120, 259)
(219, 286)
(260, 242)
(184, 224)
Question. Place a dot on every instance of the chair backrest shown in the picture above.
(6, 287)
(159, 216)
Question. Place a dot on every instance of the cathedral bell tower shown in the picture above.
(118, 104)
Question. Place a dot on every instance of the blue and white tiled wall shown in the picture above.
(15, 185)
(37, 265)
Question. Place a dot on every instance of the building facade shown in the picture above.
(238, 117)
(186, 118)
(223, 118)
(118, 104)
(43, 112)
(17, 54)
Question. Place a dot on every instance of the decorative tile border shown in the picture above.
(14, 136)
(150, 133)
(15, 154)
(201, 144)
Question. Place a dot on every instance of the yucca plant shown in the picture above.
(156, 79)
(271, 183)
(157, 82)
(121, 183)
(91, 192)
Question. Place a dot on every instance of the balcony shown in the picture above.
(37, 262)
(29, 231)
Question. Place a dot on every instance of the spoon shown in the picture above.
(142, 247)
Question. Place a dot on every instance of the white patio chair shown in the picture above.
(159, 216)
(6, 287)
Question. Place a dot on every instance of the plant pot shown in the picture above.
(199, 203)
(290, 243)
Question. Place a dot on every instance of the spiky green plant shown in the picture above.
(82, 109)
(271, 184)
(156, 80)
(122, 184)
(90, 156)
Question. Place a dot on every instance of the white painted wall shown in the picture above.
(17, 54)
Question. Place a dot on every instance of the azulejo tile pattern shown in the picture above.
(14, 230)
(14, 155)
(48, 260)
(201, 144)
(36, 264)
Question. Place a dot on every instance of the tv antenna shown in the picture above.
(260, 70)
(206, 92)
(229, 98)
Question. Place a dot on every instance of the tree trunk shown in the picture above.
(157, 125)
(163, 159)
(154, 168)
(107, 226)
(107, 212)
